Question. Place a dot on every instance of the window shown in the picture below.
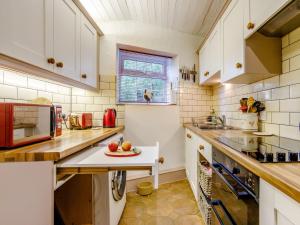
(139, 73)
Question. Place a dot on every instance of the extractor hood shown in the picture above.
(283, 22)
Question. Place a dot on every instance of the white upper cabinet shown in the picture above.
(67, 39)
(257, 12)
(27, 31)
(233, 50)
(210, 57)
(88, 53)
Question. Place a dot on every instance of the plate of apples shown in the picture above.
(123, 150)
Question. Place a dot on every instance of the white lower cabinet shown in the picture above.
(193, 144)
(276, 208)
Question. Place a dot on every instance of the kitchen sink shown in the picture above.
(213, 127)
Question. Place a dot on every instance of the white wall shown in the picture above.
(146, 124)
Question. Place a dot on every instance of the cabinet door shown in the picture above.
(215, 51)
(188, 144)
(88, 53)
(27, 31)
(232, 27)
(204, 63)
(257, 12)
(67, 39)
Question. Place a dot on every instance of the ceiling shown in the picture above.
(189, 16)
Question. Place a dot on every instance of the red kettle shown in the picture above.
(109, 118)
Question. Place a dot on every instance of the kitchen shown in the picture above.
(182, 85)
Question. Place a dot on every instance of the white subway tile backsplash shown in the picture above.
(272, 128)
(290, 132)
(7, 91)
(295, 63)
(1, 76)
(294, 35)
(104, 85)
(36, 84)
(85, 100)
(272, 106)
(15, 79)
(78, 92)
(45, 94)
(105, 78)
(286, 66)
(295, 91)
(291, 51)
(290, 105)
(281, 118)
(290, 78)
(101, 100)
(281, 93)
(285, 41)
(272, 82)
(58, 98)
(295, 119)
(52, 88)
(78, 108)
(27, 94)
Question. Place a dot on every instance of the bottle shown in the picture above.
(213, 117)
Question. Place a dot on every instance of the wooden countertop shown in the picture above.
(53, 150)
(284, 176)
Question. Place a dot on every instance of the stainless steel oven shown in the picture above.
(235, 192)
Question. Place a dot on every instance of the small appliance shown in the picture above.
(25, 123)
(268, 149)
(109, 118)
(81, 121)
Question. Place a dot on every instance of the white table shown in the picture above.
(94, 159)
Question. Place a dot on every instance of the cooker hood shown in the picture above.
(283, 22)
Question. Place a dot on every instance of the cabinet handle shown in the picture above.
(238, 65)
(60, 64)
(206, 73)
(201, 147)
(250, 26)
(51, 60)
(84, 76)
(161, 160)
(189, 136)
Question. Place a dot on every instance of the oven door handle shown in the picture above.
(228, 215)
(242, 194)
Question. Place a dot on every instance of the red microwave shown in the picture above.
(24, 123)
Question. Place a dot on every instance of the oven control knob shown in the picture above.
(293, 157)
(269, 157)
(281, 156)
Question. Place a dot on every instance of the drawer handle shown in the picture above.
(206, 73)
(250, 26)
(201, 147)
(51, 60)
(84, 76)
(60, 64)
(189, 136)
(238, 65)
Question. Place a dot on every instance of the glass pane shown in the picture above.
(131, 89)
(129, 64)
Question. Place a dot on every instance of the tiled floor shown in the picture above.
(171, 204)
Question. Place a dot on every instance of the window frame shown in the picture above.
(125, 54)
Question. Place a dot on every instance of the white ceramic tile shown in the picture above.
(64, 90)
(92, 93)
(290, 132)
(78, 92)
(295, 63)
(104, 86)
(272, 128)
(85, 100)
(291, 51)
(108, 78)
(272, 82)
(295, 91)
(93, 108)
(264, 95)
(292, 77)
(45, 94)
(58, 98)
(98, 115)
(27, 94)
(36, 84)
(290, 105)
(101, 100)
(7, 91)
(1, 76)
(295, 119)
(294, 35)
(272, 106)
(68, 99)
(15, 79)
(281, 118)
(52, 88)
(285, 41)
(78, 108)
(281, 93)
(286, 66)
(108, 93)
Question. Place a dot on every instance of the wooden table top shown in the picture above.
(53, 150)
(284, 176)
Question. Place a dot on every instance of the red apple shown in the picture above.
(126, 146)
(113, 146)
